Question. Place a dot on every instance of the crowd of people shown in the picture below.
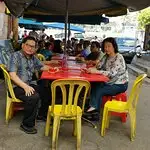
(101, 58)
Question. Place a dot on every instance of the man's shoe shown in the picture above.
(91, 112)
(28, 130)
(91, 115)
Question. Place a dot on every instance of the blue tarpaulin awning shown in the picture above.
(30, 24)
(27, 21)
(62, 25)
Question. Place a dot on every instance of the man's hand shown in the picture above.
(45, 68)
(29, 90)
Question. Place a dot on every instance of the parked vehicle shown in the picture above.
(128, 47)
(77, 36)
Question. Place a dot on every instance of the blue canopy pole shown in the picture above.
(66, 22)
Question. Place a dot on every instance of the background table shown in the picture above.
(60, 57)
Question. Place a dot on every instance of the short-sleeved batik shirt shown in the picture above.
(23, 66)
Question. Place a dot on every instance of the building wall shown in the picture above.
(147, 38)
(3, 22)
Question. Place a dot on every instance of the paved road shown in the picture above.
(117, 136)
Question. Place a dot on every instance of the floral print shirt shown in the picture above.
(115, 68)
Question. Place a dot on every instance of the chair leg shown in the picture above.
(124, 117)
(11, 112)
(104, 121)
(134, 125)
(58, 127)
(132, 122)
(8, 109)
(48, 121)
(55, 132)
(108, 119)
(75, 128)
(78, 132)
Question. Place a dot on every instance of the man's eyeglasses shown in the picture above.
(31, 46)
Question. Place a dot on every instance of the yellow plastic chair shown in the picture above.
(41, 57)
(127, 107)
(69, 110)
(9, 100)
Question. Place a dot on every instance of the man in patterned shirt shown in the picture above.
(21, 66)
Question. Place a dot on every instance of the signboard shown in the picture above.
(1, 23)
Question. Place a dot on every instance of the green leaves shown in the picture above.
(144, 18)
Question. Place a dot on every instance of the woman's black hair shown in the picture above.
(47, 45)
(96, 43)
(112, 41)
(57, 47)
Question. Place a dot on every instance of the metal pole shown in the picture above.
(69, 30)
(66, 22)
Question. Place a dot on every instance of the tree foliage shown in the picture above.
(144, 18)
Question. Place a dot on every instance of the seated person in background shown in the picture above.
(34, 34)
(25, 34)
(113, 66)
(46, 52)
(85, 52)
(78, 49)
(41, 45)
(58, 47)
(42, 34)
(69, 48)
(52, 42)
(95, 56)
(21, 66)
(81, 41)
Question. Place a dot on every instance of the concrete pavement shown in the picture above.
(117, 136)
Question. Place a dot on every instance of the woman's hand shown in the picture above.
(93, 70)
(90, 63)
(80, 59)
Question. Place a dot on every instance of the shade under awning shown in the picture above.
(76, 7)
(90, 19)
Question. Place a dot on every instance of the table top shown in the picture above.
(60, 57)
(74, 74)
(73, 70)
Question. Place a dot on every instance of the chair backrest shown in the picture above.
(135, 91)
(71, 89)
(41, 57)
(8, 82)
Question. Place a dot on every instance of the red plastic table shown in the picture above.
(73, 70)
